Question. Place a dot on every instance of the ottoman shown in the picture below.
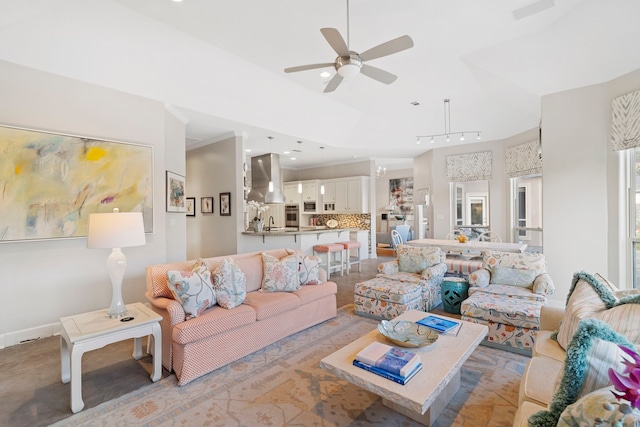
(381, 298)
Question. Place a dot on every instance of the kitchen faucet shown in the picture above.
(271, 221)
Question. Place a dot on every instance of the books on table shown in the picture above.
(386, 374)
(393, 363)
(438, 323)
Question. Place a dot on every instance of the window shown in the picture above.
(527, 211)
(634, 217)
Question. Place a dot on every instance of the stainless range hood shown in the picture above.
(265, 169)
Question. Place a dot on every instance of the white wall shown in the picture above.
(44, 280)
(382, 190)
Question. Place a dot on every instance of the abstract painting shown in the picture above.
(401, 194)
(176, 201)
(50, 183)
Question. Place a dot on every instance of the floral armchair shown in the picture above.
(423, 266)
(506, 294)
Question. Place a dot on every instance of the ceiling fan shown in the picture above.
(350, 63)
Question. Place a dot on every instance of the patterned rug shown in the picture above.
(283, 385)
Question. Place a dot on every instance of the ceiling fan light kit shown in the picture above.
(350, 63)
(447, 128)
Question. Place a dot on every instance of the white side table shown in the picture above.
(90, 331)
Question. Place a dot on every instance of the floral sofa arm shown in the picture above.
(434, 274)
(480, 278)
(389, 267)
(543, 285)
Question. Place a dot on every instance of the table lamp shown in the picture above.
(116, 230)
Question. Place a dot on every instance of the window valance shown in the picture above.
(625, 121)
(469, 167)
(523, 159)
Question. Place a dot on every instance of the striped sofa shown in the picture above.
(194, 347)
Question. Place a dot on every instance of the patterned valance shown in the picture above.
(523, 159)
(625, 121)
(469, 167)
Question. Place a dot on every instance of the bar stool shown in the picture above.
(328, 249)
(350, 260)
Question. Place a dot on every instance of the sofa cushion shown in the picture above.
(280, 275)
(591, 352)
(216, 320)
(547, 346)
(432, 255)
(503, 309)
(192, 289)
(513, 276)
(537, 382)
(523, 261)
(588, 408)
(411, 263)
(269, 304)
(229, 284)
(589, 298)
(509, 291)
(383, 289)
(308, 294)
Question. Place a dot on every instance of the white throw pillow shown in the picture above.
(193, 290)
(280, 275)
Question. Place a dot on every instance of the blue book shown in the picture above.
(438, 323)
(398, 361)
(386, 374)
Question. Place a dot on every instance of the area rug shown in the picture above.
(283, 385)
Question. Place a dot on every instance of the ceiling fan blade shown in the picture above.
(388, 48)
(377, 74)
(308, 67)
(333, 83)
(336, 41)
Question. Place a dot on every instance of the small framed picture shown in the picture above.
(206, 205)
(175, 193)
(191, 206)
(225, 204)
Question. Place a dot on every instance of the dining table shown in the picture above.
(469, 245)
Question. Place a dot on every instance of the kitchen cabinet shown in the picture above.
(291, 194)
(310, 191)
(350, 195)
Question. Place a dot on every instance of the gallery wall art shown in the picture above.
(401, 194)
(50, 183)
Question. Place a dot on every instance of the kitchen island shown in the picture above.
(303, 238)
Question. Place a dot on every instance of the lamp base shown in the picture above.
(116, 265)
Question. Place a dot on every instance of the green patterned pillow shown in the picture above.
(411, 263)
(229, 284)
(512, 276)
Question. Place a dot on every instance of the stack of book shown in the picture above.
(438, 323)
(395, 364)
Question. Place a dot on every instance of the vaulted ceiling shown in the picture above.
(219, 65)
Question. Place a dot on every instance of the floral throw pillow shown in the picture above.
(309, 270)
(280, 275)
(193, 289)
(229, 283)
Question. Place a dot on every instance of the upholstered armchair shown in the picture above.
(506, 294)
(419, 265)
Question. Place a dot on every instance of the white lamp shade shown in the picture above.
(115, 230)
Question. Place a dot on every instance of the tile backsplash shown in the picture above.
(361, 221)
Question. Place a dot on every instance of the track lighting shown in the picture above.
(447, 128)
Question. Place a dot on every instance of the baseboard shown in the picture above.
(27, 335)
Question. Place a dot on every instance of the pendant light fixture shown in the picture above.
(322, 185)
(447, 128)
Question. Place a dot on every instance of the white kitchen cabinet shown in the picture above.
(291, 194)
(310, 191)
(329, 197)
(352, 195)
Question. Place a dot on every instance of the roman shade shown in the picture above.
(469, 167)
(523, 159)
(625, 121)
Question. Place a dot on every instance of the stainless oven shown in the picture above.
(291, 215)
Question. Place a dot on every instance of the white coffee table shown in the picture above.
(426, 395)
(90, 331)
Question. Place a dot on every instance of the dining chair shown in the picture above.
(396, 238)
(490, 236)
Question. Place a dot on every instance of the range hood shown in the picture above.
(265, 169)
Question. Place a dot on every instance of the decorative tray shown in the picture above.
(332, 223)
(407, 334)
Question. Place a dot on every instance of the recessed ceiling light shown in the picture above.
(248, 150)
(285, 152)
(293, 158)
(325, 74)
(177, 1)
(415, 103)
